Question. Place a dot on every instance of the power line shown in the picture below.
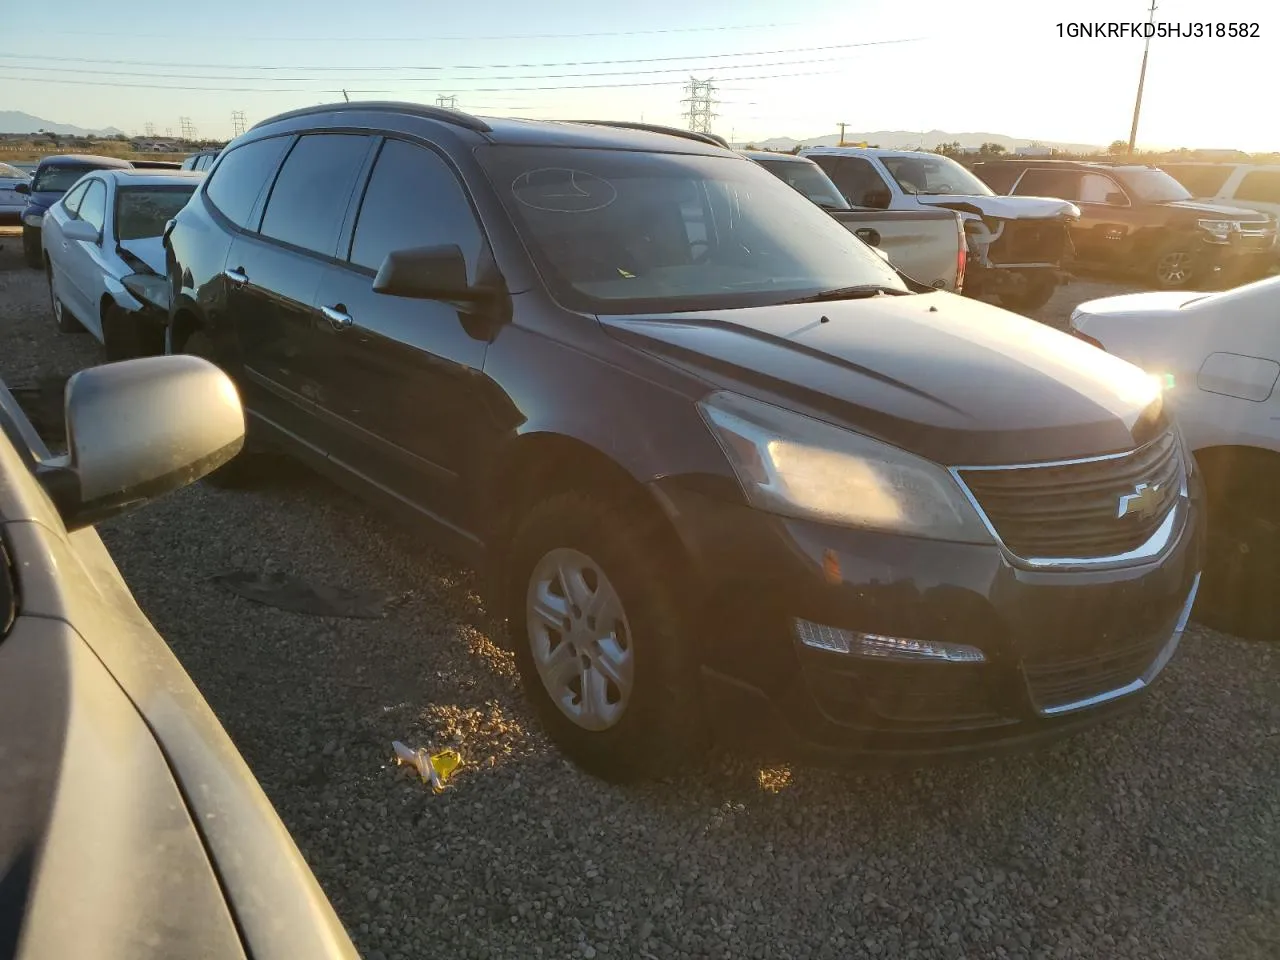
(686, 59)
(438, 39)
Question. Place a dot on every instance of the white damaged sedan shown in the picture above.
(103, 252)
(1218, 356)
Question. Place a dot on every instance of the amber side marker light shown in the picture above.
(1088, 339)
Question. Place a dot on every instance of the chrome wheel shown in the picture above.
(1174, 268)
(580, 639)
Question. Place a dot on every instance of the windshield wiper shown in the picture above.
(858, 292)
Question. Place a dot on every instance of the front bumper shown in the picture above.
(1062, 649)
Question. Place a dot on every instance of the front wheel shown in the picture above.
(62, 318)
(1173, 267)
(598, 630)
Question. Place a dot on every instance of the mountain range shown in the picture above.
(15, 121)
(918, 139)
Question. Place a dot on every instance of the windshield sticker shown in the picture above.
(561, 190)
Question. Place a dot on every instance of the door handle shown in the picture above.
(337, 316)
(236, 276)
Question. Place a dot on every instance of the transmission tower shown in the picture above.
(701, 101)
(149, 129)
(188, 128)
(237, 123)
(450, 101)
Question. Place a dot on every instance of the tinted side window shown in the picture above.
(310, 196)
(72, 200)
(857, 179)
(1261, 185)
(1095, 188)
(1059, 184)
(1201, 180)
(235, 186)
(93, 208)
(414, 200)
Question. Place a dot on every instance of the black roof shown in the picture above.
(84, 160)
(603, 134)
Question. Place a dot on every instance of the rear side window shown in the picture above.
(857, 179)
(234, 188)
(1201, 180)
(93, 208)
(413, 200)
(1261, 185)
(1059, 184)
(310, 197)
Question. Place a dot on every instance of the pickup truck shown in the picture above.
(1016, 245)
(926, 245)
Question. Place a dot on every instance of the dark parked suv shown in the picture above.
(722, 468)
(1140, 219)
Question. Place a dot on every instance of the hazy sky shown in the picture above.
(982, 65)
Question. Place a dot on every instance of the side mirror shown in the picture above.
(1117, 199)
(877, 199)
(868, 235)
(81, 230)
(139, 429)
(428, 273)
(24, 188)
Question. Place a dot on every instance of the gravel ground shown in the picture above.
(1155, 836)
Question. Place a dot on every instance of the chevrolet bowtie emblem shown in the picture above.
(1143, 502)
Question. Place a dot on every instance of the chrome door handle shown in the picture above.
(236, 276)
(337, 316)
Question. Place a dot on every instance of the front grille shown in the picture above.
(1055, 682)
(1073, 510)
(1029, 241)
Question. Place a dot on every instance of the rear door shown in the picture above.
(1106, 218)
(402, 382)
(274, 270)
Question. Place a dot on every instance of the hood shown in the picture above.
(150, 250)
(1222, 211)
(43, 200)
(1006, 208)
(1165, 301)
(949, 378)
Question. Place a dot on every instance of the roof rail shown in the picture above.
(708, 138)
(444, 114)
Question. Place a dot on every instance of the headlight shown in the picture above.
(33, 219)
(796, 466)
(1219, 229)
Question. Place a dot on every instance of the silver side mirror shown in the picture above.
(139, 429)
(81, 230)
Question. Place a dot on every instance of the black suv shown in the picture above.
(722, 468)
(1140, 219)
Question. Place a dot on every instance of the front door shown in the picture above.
(273, 276)
(82, 260)
(402, 381)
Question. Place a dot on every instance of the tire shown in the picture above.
(1033, 295)
(1174, 266)
(643, 720)
(62, 317)
(123, 337)
(31, 252)
(248, 468)
(1238, 590)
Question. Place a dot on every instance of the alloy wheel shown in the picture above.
(580, 639)
(1173, 269)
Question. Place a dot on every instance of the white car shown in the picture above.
(11, 201)
(1218, 355)
(102, 245)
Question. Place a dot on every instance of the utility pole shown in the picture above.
(1142, 78)
(237, 123)
(702, 101)
(344, 95)
(841, 126)
(451, 102)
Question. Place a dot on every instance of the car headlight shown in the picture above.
(1218, 229)
(33, 219)
(797, 466)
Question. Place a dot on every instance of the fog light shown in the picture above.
(836, 640)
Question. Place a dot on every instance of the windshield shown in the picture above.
(1153, 186)
(11, 172)
(57, 178)
(616, 231)
(143, 211)
(810, 180)
(934, 176)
